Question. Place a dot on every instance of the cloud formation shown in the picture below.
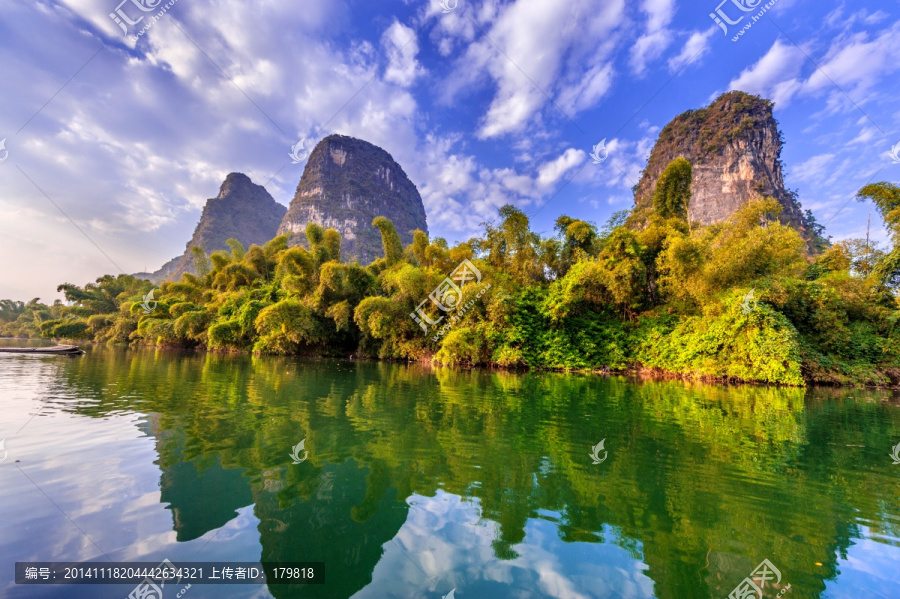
(116, 143)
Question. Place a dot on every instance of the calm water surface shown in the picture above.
(420, 481)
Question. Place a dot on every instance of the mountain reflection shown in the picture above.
(421, 480)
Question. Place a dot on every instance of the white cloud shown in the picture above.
(656, 37)
(552, 171)
(814, 168)
(648, 48)
(402, 47)
(538, 54)
(866, 135)
(620, 171)
(856, 63)
(659, 13)
(167, 126)
(832, 171)
(853, 66)
(447, 541)
(695, 48)
(839, 20)
(459, 194)
(593, 85)
(452, 29)
(133, 146)
(773, 76)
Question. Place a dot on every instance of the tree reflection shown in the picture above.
(702, 482)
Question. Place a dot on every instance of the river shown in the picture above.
(415, 482)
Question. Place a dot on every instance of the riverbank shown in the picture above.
(741, 300)
(889, 377)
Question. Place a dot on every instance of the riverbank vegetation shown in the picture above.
(742, 299)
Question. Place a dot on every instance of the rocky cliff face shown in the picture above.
(242, 210)
(347, 182)
(734, 147)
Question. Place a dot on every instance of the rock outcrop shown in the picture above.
(347, 182)
(734, 147)
(242, 210)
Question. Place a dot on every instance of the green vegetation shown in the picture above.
(669, 297)
(673, 190)
(712, 128)
(700, 480)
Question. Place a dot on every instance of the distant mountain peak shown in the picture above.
(734, 147)
(243, 210)
(346, 183)
(234, 181)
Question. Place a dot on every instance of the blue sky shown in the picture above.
(486, 104)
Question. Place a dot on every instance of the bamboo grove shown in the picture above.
(649, 290)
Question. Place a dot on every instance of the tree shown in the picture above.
(673, 190)
(201, 261)
(237, 249)
(512, 247)
(886, 197)
(736, 253)
(390, 240)
(105, 295)
(579, 240)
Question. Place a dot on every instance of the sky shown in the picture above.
(114, 134)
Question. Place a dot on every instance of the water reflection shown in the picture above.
(419, 481)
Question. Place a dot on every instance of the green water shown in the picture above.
(419, 481)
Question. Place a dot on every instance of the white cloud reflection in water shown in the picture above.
(447, 545)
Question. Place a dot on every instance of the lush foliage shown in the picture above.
(669, 296)
(673, 190)
(723, 121)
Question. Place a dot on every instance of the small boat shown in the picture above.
(66, 350)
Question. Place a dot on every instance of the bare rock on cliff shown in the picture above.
(734, 147)
(347, 182)
(242, 210)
